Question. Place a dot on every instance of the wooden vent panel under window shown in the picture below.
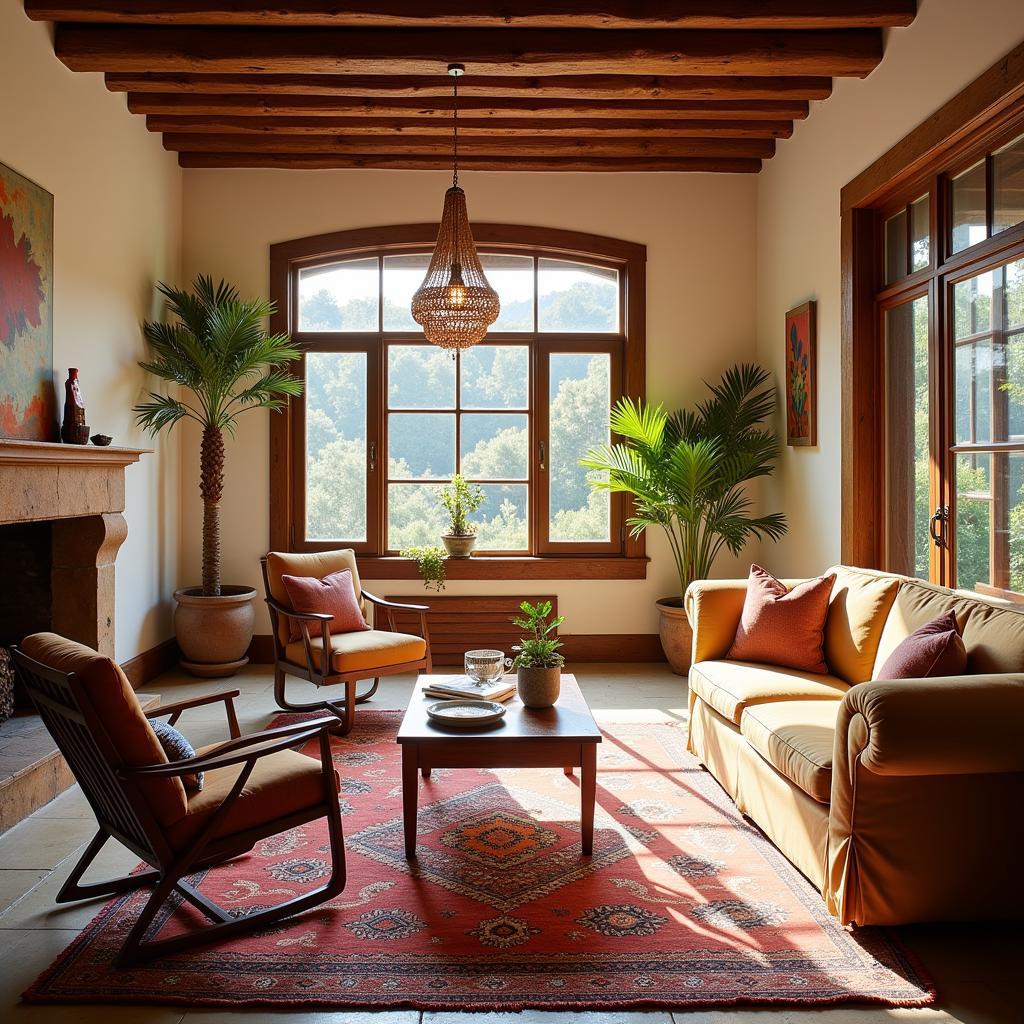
(460, 624)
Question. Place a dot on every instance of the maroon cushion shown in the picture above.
(934, 649)
(333, 595)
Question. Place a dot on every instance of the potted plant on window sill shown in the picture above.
(687, 474)
(460, 500)
(218, 351)
(537, 662)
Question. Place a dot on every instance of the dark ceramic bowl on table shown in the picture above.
(101, 440)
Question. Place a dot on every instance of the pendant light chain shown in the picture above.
(455, 133)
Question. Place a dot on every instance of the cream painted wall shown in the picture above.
(699, 232)
(117, 230)
(948, 46)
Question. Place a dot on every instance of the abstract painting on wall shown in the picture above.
(27, 399)
(801, 376)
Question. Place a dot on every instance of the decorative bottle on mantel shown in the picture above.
(74, 429)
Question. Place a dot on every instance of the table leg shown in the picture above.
(568, 771)
(410, 787)
(588, 796)
(425, 772)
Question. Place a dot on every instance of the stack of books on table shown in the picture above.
(454, 687)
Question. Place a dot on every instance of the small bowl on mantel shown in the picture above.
(101, 440)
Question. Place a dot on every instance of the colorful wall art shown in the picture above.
(802, 376)
(27, 398)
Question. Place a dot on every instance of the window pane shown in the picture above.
(906, 424)
(990, 521)
(512, 278)
(495, 377)
(421, 446)
(416, 517)
(580, 403)
(896, 247)
(989, 369)
(336, 446)
(969, 207)
(501, 519)
(920, 238)
(402, 276)
(420, 377)
(495, 446)
(1008, 186)
(575, 297)
(340, 297)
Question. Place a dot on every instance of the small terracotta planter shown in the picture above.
(538, 687)
(459, 545)
(214, 633)
(676, 634)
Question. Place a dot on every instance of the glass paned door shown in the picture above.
(988, 416)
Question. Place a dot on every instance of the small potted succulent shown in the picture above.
(461, 500)
(537, 663)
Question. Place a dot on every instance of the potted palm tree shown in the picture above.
(687, 473)
(219, 353)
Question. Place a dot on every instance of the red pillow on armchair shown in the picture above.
(333, 595)
(781, 626)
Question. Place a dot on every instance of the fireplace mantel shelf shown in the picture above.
(43, 453)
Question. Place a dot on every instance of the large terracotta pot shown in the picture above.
(214, 632)
(459, 545)
(676, 634)
(539, 687)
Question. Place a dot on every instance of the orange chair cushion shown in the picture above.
(352, 652)
(317, 564)
(115, 704)
(281, 784)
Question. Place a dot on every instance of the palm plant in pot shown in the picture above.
(687, 473)
(222, 363)
(460, 500)
(537, 662)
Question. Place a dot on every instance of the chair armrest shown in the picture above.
(957, 725)
(175, 709)
(714, 608)
(392, 606)
(292, 614)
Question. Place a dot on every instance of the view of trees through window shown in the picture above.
(471, 414)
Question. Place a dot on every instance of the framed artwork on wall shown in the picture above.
(802, 376)
(28, 405)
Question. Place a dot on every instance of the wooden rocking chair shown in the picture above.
(256, 787)
(324, 658)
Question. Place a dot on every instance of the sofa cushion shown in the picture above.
(932, 650)
(994, 638)
(731, 686)
(333, 595)
(350, 652)
(280, 784)
(860, 603)
(782, 626)
(796, 738)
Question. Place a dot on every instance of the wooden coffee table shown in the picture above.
(564, 736)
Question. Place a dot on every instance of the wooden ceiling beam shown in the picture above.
(148, 48)
(600, 87)
(309, 161)
(608, 14)
(468, 127)
(511, 148)
(441, 108)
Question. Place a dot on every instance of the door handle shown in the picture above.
(939, 518)
(542, 455)
(373, 456)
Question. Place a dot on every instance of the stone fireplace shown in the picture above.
(61, 526)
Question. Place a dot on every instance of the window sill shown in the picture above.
(490, 567)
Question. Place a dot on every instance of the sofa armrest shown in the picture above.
(714, 608)
(958, 725)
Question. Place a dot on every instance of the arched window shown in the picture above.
(387, 419)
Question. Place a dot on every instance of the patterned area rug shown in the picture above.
(682, 904)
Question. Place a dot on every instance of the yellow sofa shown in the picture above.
(901, 801)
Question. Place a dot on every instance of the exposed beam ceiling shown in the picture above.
(617, 85)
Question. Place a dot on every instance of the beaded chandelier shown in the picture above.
(455, 304)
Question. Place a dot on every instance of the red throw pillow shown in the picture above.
(333, 595)
(783, 627)
(934, 649)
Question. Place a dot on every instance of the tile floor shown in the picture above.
(975, 967)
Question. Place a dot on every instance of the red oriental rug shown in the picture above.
(683, 903)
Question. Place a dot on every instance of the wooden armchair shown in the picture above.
(255, 787)
(325, 658)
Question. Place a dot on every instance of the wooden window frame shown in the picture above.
(623, 557)
(982, 118)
